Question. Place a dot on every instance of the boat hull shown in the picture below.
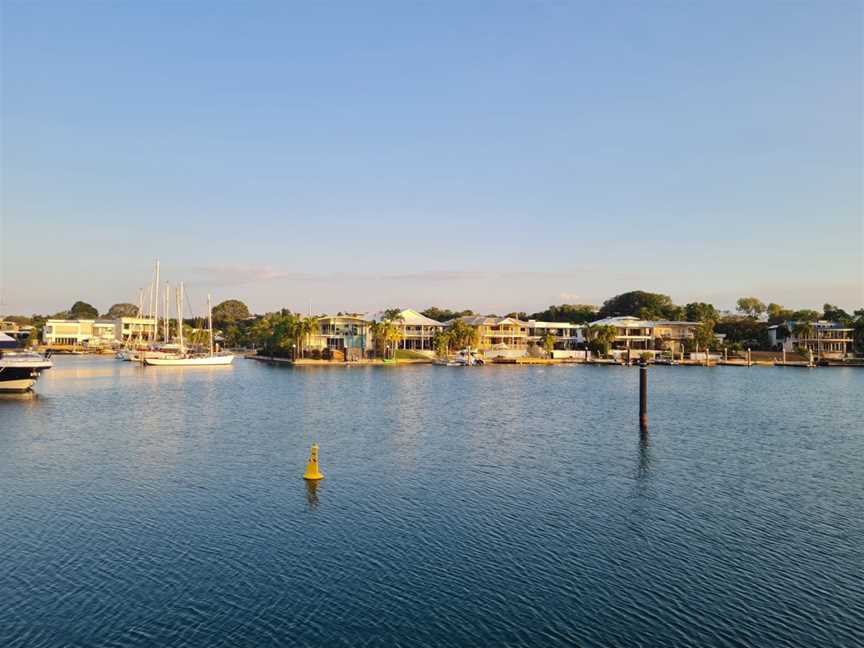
(207, 361)
(20, 378)
(17, 384)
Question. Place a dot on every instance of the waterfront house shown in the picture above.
(416, 330)
(567, 337)
(346, 333)
(639, 334)
(825, 339)
(505, 337)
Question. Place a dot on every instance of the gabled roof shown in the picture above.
(485, 320)
(410, 317)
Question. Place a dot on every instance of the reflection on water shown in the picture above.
(311, 493)
(496, 506)
(644, 455)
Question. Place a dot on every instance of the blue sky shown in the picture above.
(497, 156)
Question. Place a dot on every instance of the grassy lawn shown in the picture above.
(402, 354)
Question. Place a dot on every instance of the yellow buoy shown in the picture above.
(312, 472)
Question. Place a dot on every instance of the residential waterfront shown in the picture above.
(519, 506)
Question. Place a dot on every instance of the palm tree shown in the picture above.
(548, 342)
(803, 331)
(303, 329)
(600, 337)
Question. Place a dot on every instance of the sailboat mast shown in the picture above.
(140, 313)
(156, 304)
(210, 318)
(167, 322)
(180, 315)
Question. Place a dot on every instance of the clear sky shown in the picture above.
(497, 156)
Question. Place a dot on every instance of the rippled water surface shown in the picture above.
(475, 507)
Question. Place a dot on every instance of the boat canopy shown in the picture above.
(7, 342)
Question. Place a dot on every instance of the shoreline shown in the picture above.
(306, 362)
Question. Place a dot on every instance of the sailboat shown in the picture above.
(184, 359)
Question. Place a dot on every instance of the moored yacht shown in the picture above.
(184, 359)
(19, 368)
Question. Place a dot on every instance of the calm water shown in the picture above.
(481, 507)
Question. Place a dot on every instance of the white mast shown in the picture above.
(140, 312)
(156, 302)
(180, 315)
(210, 318)
(167, 329)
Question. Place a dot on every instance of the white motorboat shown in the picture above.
(19, 368)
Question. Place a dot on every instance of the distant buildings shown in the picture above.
(825, 339)
(97, 333)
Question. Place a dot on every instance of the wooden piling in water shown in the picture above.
(643, 398)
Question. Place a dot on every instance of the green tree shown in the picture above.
(778, 314)
(836, 314)
(385, 338)
(639, 303)
(600, 337)
(548, 341)
(751, 306)
(571, 313)
(803, 329)
(304, 329)
(703, 335)
(744, 332)
(521, 315)
(463, 335)
(441, 343)
(83, 310)
(229, 311)
(701, 312)
(444, 314)
(122, 310)
(805, 314)
(858, 333)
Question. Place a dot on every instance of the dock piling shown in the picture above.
(643, 397)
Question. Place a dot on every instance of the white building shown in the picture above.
(80, 332)
(567, 337)
(825, 339)
(135, 328)
(649, 335)
(97, 333)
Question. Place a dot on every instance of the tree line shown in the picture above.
(281, 331)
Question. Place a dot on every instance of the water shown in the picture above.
(477, 507)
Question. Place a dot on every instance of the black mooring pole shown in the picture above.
(643, 397)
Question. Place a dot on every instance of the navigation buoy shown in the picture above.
(312, 473)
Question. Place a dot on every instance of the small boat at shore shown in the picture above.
(19, 368)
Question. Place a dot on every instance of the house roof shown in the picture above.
(822, 324)
(486, 320)
(410, 317)
(539, 324)
(629, 320)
